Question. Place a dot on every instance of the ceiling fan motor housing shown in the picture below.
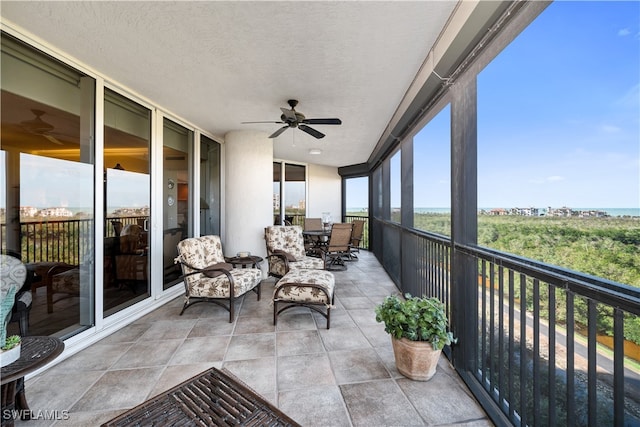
(290, 121)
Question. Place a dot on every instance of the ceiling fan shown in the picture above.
(294, 119)
(39, 127)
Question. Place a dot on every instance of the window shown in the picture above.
(395, 189)
(291, 195)
(209, 187)
(558, 136)
(177, 218)
(47, 157)
(127, 193)
(432, 175)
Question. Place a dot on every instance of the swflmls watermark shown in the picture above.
(28, 414)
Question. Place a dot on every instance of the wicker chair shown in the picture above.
(208, 278)
(337, 250)
(286, 251)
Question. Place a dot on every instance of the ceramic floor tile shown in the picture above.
(148, 353)
(200, 350)
(379, 403)
(357, 366)
(168, 329)
(292, 343)
(315, 406)
(258, 374)
(254, 325)
(295, 372)
(292, 321)
(208, 327)
(335, 339)
(121, 389)
(251, 346)
(446, 404)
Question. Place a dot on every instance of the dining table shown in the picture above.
(315, 240)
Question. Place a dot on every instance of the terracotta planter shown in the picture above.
(416, 360)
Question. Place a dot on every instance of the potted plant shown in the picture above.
(10, 351)
(419, 331)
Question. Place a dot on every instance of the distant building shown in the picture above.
(28, 211)
(563, 211)
(498, 212)
(525, 211)
(55, 212)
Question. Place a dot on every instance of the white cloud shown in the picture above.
(555, 178)
(624, 32)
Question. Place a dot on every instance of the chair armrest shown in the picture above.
(59, 268)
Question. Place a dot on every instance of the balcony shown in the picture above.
(341, 376)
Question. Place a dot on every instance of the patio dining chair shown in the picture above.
(312, 242)
(209, 278)
(356, 238)
(337, 250)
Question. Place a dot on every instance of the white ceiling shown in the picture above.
(217, 64)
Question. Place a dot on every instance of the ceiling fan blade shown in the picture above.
(52, 139)
(245, 123)
(322, 121)
(289, 114)
(278, 132)
(311, 131)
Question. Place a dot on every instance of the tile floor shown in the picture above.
(344, 376)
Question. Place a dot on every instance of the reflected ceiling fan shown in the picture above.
(39, 127)
(294, 119)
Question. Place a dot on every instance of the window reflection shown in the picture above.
(47, 215)
(127, 193)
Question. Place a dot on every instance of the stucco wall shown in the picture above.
(324, 192)
(248, 191)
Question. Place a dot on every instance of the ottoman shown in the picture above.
(306, 288)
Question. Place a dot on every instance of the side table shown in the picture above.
(251, 260)
(35, 352)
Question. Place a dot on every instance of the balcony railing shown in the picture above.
(67, 241)
(297, 219)
(539, 345)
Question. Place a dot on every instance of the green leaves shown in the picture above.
(416, 319)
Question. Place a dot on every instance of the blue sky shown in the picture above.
(558, 116)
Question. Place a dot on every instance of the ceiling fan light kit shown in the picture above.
(294, 119)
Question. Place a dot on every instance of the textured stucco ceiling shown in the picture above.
(217, 64)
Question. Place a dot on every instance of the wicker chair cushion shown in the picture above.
(276, 265)
(304, 286)
(244, 279)
(67, 282)
(201, 252)
(205, 251)
(285, 238)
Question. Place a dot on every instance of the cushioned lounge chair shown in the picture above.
(286, 251)
(208, 278)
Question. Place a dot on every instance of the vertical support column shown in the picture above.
(464, 225)
(12, 202)
(248, 191)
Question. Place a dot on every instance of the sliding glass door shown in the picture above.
(177, 196)
(47, 186)
(127, 198)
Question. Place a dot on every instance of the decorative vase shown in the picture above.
(7, 357)
(416, 360)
